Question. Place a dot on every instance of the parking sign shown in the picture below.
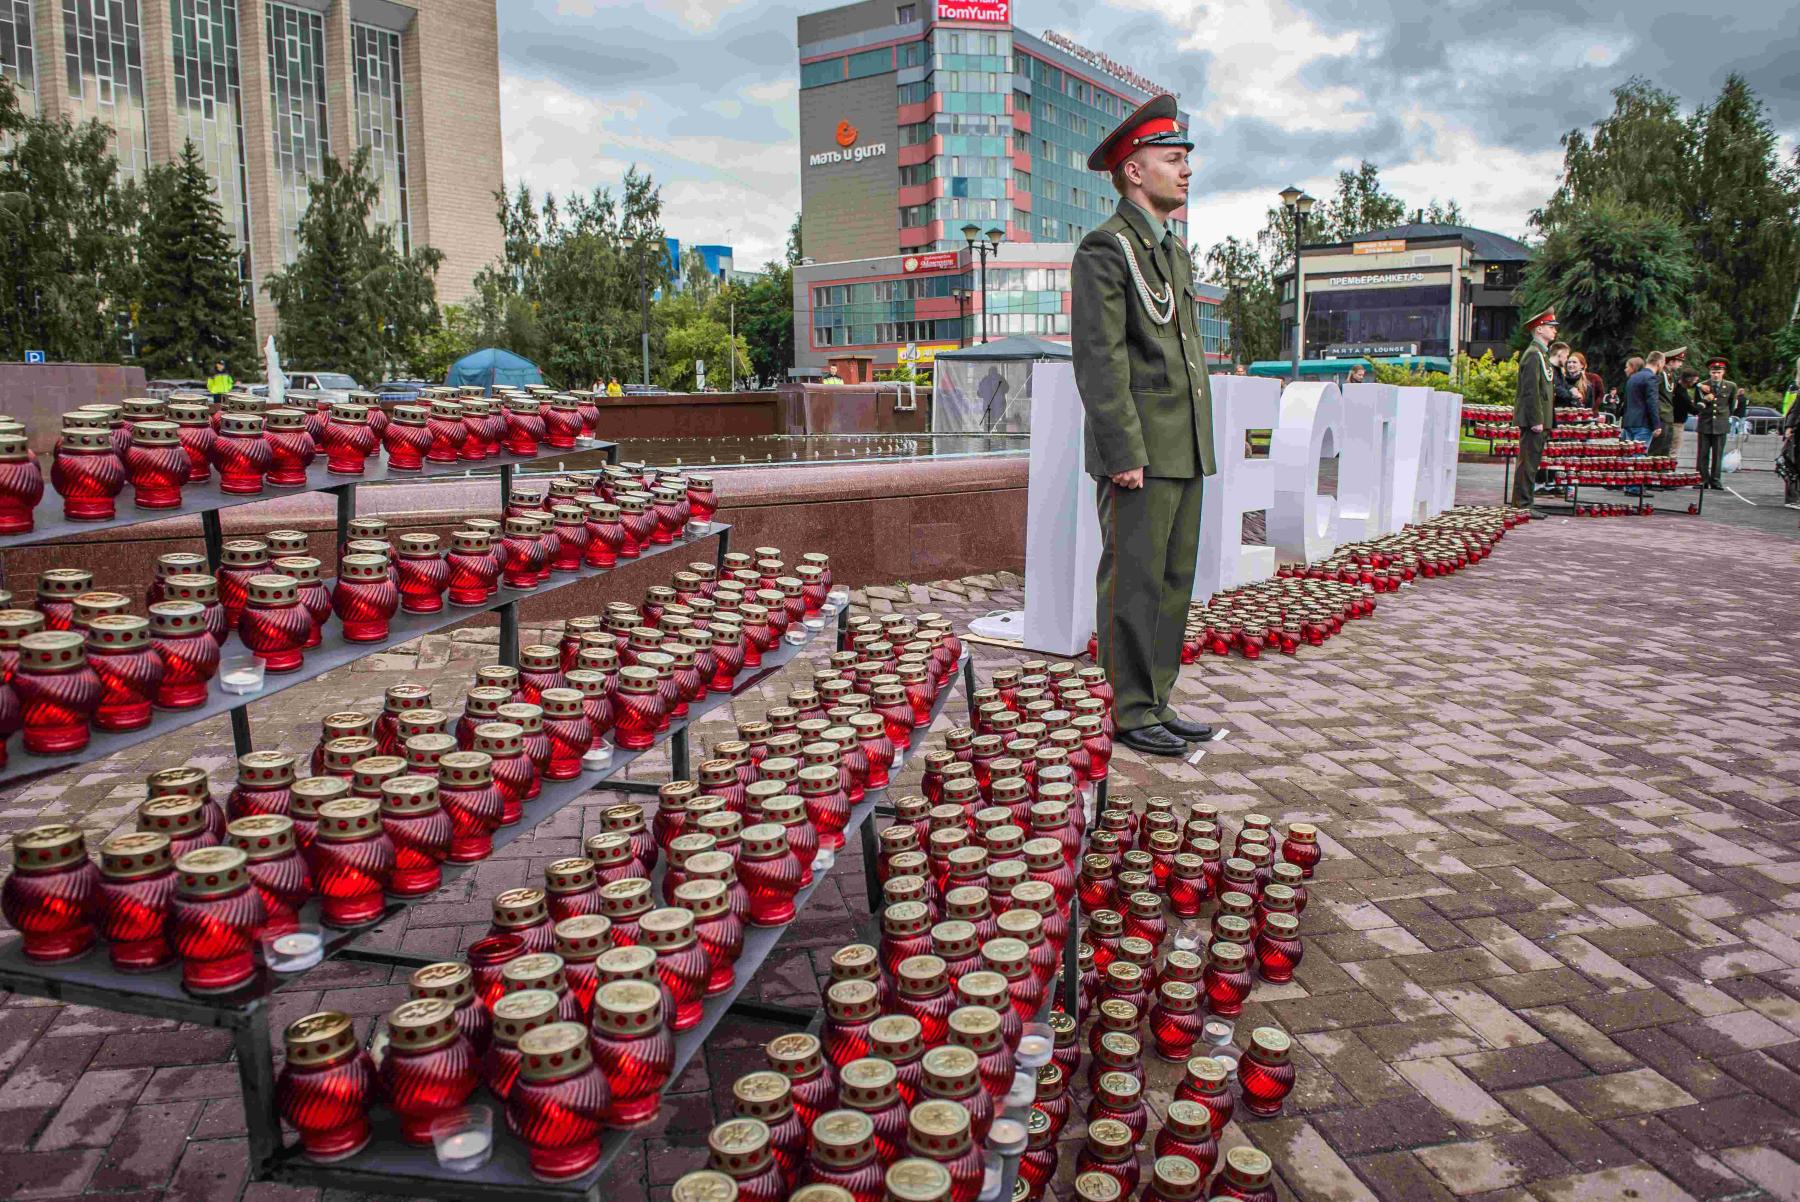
(36, 357)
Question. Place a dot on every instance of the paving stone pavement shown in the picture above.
(1553, 951)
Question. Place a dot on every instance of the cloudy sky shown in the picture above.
(1451, 98)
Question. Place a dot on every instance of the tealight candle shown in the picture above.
(293, 951)
(464, 1140)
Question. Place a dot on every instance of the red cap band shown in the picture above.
(1122, 149)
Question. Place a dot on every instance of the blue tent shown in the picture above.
(493, 366)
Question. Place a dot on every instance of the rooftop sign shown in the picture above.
(1094, 58)
(982, 12)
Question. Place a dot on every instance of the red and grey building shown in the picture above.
(918, 120)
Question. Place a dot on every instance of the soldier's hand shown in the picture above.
(1131, 479)
(1538, 429)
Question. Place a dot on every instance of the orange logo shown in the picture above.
(846, 134)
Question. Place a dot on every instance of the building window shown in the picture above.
(207, 106)
(913, 93)
(1502, 275)
(104, 53)
(1495, 323)
(297, 112)
(825, 71)
(18, 52)
(905, 14)
(911, 54)
(381, 123)
(871, 62)
(1418, 314)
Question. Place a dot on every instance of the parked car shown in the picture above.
(400, 392)
(163, 388)
(334, 382)
(1763, 419)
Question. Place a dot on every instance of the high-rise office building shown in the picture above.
(919, 119)
(265, 89)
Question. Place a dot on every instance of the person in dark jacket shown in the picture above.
(1640, 419)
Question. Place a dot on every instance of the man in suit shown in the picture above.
(1534, 408)
(1141, 371)
(1640, 420)
(1720, 400)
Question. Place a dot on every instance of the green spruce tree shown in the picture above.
(192, 308)
(351, 301)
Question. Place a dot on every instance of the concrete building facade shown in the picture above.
(265, 89)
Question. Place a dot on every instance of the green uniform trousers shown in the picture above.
(1710, 463)
(1531, 453)
(1149, 538)
(1664, 443)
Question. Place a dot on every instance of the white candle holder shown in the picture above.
(241, 674)
(295, 950)
(464, 1139)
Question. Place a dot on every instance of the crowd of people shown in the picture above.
(1660, 394)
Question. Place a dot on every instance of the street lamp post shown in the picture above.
(1299, 204)
(962, 316)
(983, 247)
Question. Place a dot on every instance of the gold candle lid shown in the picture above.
(553, 1050)
(842, 1138)
(1097, 1187)
(422, 1023)
(51, 845)
(129, 856)
(540, 970)
(739, 1146)
(522, 907)
(703, 1185)
(451, 980)
(307, 794)
(525, 1010)
(764, 1094)
(938, 1128)
(583, 937)
(348, 819)
(171, 814)
(627, 1008)
(318, 1038)
(262, 836)
(916, 1179)
(211, 872)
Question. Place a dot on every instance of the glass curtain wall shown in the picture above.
(381, 123)
(104, 53)
(971, 70)
(18, 52)
(296, 112)
(208, 105)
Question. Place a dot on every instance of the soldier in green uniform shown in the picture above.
(1720, 401)
(1669, 441)
(1141, 371)
(1534, 408)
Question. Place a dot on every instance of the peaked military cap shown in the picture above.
(1153, 124)
(1546, 318)
(1718, 361)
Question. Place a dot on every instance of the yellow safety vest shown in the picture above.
(219, 385)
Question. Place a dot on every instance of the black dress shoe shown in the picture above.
(1193, 732)
(1153, 740)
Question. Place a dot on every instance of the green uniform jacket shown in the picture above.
(1665, 399)
(1143, 383)
(1715, 413)
(1535, 402)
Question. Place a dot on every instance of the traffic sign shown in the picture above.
(36, 357)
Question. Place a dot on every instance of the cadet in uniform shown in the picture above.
(1669, 441)
(1720, 401)
(1534, 408)
(1141, 371)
